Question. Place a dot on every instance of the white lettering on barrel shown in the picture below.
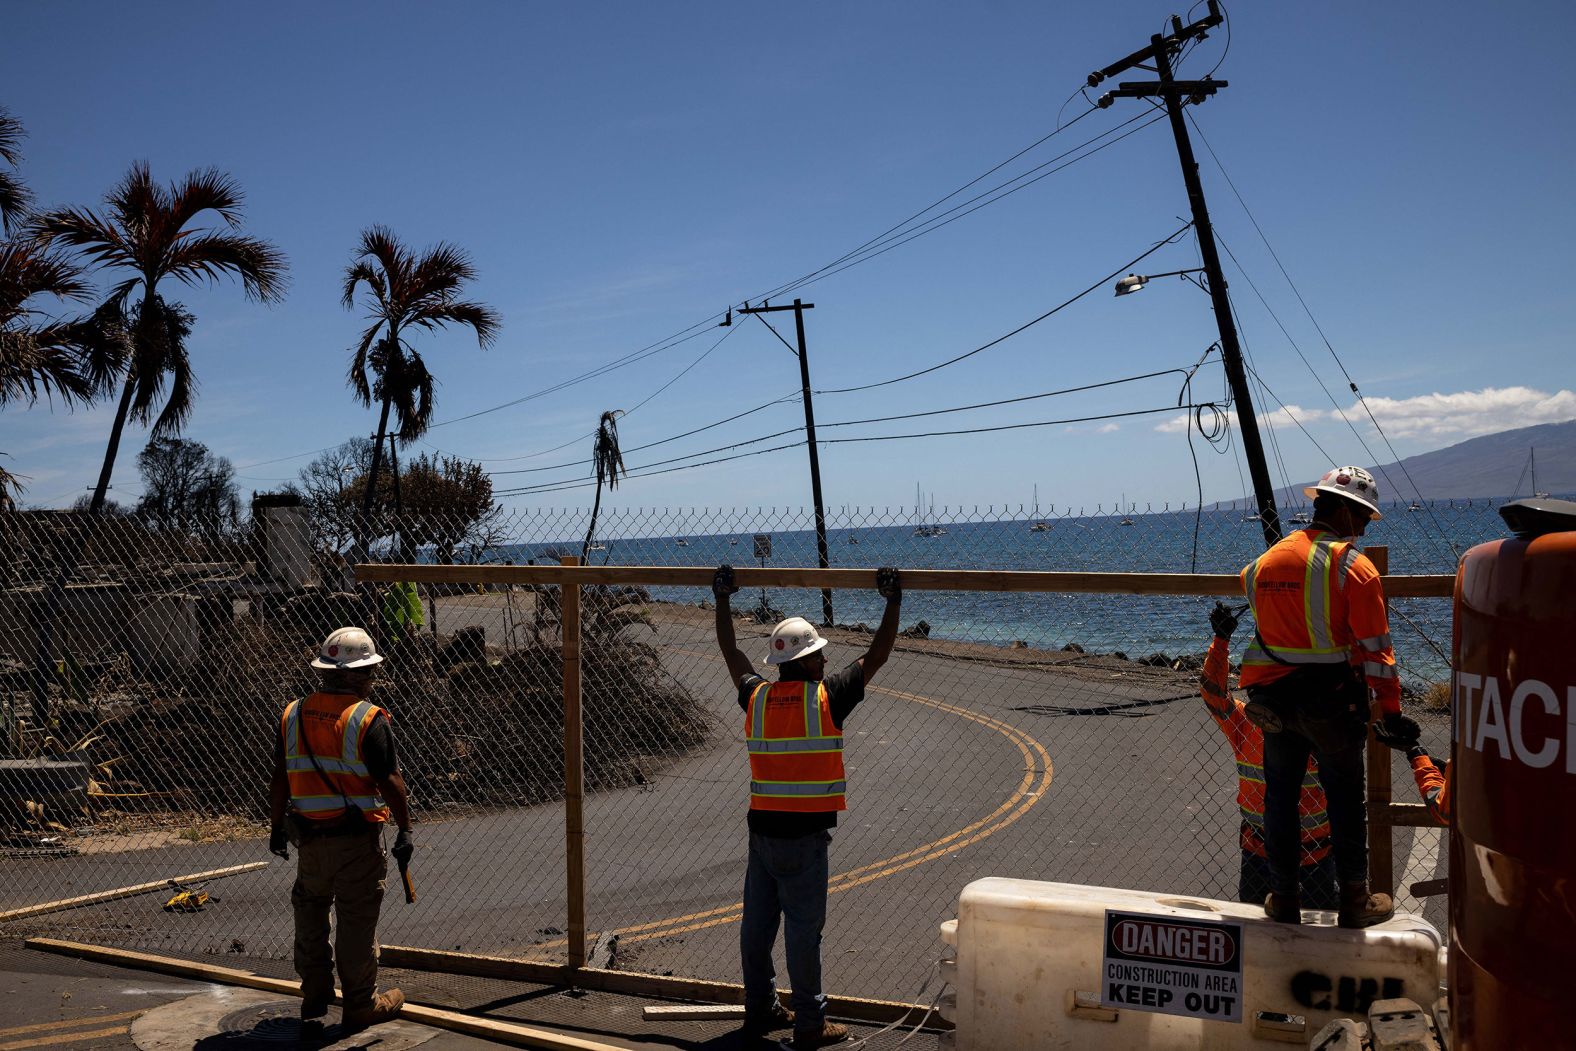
(1545, 755)
(1570, 729)
(1466, 685)
(1483, 718)
(1491, 719)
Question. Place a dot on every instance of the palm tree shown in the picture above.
(15, 198)
(608, 461)
(40, 353)
(407, 291)
(147, 234)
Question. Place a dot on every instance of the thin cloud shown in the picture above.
(1469, 413)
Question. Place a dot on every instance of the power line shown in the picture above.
(1351, 383)
(897, 235)
(842, 262)
(928, 228)
(1026, 325)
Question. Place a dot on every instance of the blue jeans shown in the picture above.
(1316, 726)
(787, 878)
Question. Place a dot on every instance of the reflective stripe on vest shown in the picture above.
(796, 750)
(319, 791)
(1323, 569)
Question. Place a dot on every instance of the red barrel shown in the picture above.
(1513, 786)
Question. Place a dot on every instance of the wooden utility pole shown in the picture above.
(1176, 93)
(798, 309)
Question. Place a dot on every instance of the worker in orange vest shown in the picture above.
(1316, 869)
(793, 729)
(336, 784)
(1323, 642)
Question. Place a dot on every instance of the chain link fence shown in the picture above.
(1044, 736)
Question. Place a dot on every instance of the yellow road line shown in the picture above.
(64, 1038)
(67, 1023)
(1018, 804)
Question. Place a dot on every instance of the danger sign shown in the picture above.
(1173, 966)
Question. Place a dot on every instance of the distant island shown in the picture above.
(1493, 465)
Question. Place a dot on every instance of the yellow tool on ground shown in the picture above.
(187, 901)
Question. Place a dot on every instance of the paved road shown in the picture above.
(958, 770)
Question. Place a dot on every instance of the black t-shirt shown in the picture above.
(378, 750)
(844, 691)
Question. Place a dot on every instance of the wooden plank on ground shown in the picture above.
(1432, 586)
(692, 1013)
(634, 983)
(127, 892)
(510, 1033)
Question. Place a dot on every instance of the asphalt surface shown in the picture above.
(958, 770)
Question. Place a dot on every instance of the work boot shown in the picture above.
(829, 1033)
(759, 1023)
(313, 1008)
(1283, 908)
(1362, 909)
(383, 1008)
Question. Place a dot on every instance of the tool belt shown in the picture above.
(301, 829)
(1328, 703)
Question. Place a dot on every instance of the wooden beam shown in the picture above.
(692, 1013)
(1434, 586)
(511, 1033)
(634, 983)
(127, 892)
(1409, 815)
(574, 769)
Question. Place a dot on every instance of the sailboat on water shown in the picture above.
(1125, 520)
(924, 530)
(1040, 525)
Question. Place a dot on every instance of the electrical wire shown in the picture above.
(1021, 328)
(1060, 127)
(932, 225)
(1351, 383)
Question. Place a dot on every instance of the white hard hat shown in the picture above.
(792, 639)
(1354, 483)
(347, 648)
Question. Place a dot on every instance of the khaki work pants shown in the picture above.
(345, 873)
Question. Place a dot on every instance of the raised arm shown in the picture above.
(891, 589)
(1212, 678)
(722, 586)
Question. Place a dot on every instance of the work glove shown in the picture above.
(1224, 620)
(1398, 731)
(278, 842)
(722, 583)
(1418, 750)
(404, 847)
(888, 586)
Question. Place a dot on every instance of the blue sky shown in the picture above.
(620, 172)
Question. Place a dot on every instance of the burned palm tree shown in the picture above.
(608, 462)
(148, 233)
(407, 291)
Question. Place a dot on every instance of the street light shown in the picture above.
(1136, 282)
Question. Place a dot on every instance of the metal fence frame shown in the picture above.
(1384, 814)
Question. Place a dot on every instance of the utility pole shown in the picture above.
(798, 309)
(1176, 93)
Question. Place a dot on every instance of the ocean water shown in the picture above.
(1219, 541)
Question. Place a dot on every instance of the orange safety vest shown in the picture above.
(1247, 747)
(796, 750)
(1318, 600)
(335, 727)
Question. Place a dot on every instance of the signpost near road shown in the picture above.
(1172, 965)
